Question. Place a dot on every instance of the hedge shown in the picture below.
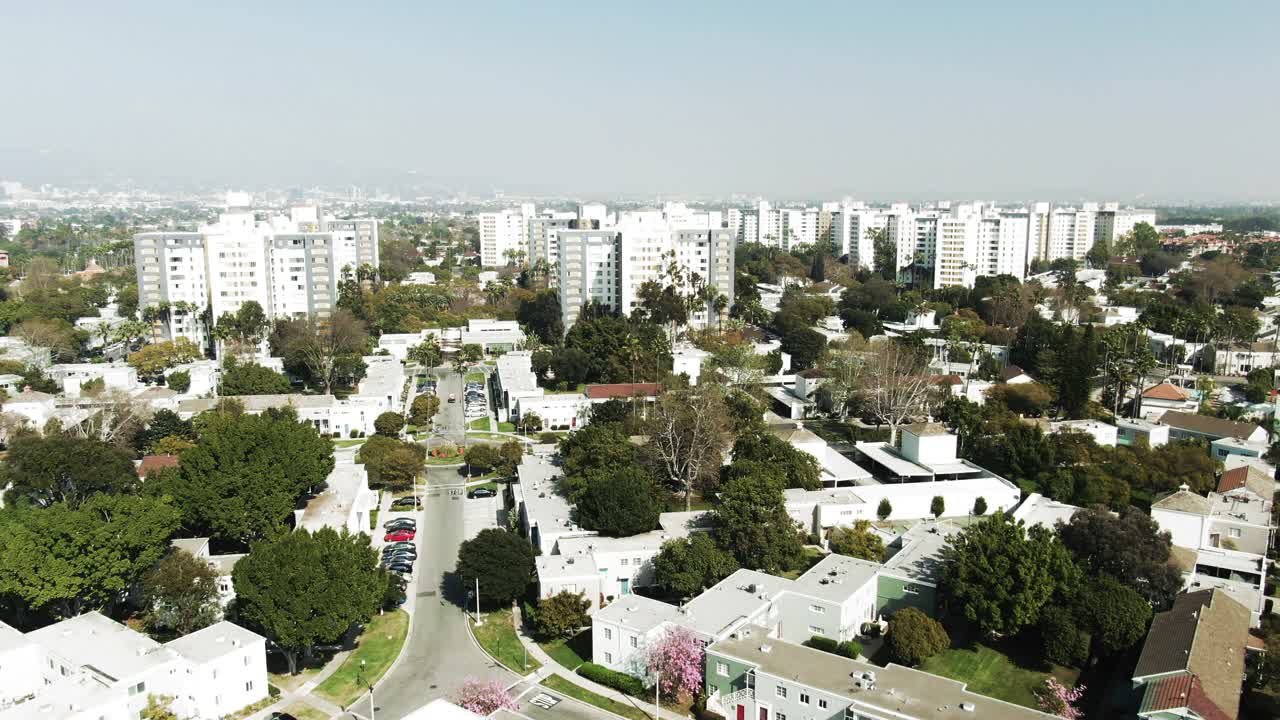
(850, 649)
(621, 682)
(825, 644)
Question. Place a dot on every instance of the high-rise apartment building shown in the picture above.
(609, 265)
(504, 236)
(291, 267)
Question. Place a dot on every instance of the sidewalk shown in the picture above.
(551, 667)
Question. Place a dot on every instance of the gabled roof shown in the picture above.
(1177, 692)
(1205, 425)
(1250, 478)
(1012, 372)
(1165, 391)
(151, 463)
(1205, 635)
(948, 380)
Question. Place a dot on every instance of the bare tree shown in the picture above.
(844, 365)
(896, 385)
(57, 336)
(687, 435)
(320, 344)
(115, 418)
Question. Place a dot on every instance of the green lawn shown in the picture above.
(474, 377)
(570, 652)
(564, 687)
(988, 671)
(498, 638)
(506, 427)
(348, 443)
(379, 647)
(481, 424)
(303, 711)
(455, 460)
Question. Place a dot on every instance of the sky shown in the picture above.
(1135, 101)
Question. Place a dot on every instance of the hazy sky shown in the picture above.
(1130, 100)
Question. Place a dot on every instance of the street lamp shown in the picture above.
(360, 680)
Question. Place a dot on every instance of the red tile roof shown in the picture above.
(1012, 372)
(948, 380)
(152, 463)
(623, 390)
(1250, 477)
(1181, 691)
(1165, 391)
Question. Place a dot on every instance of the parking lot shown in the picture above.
(474, 395)
(480, 513)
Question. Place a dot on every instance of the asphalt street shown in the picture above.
(439, 653)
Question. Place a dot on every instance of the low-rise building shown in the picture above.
(1192, 663)
(1227, 446)
(345, 503)
(1135, 431)
(1102, 433)
(327, 413)
(1159, 400)
(494, 336)
(222, 564)
(751, 674)
(1037, 509)
(90, 667)
(836, 469)
(114, 376)
(1188, 425)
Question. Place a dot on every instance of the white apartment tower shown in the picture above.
(589, 271)
(504, 236)
(291, 267)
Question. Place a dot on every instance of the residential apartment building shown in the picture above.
(93, 668)
(504, 236)
(291, 266)
(610, 265)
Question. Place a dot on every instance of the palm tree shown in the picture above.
(719, 304)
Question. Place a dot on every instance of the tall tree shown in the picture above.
(69, 560)
(858, 540)
(998, 574)
(687, 431)
(42, 471)
(501, 561)
(621, 504)
(303, 589)
(799, 468)
(1129, 547)
(752, 523)
(896, 385)
(181, 594)
(687, 566)
(241, 482)
(325, 348)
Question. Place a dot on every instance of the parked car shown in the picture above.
(403, 568)
(399, 535)
(481, 492)
(399, 559)
(408, 522)
(398, 552)
(405, 503)
(453, 398)
(400, 546)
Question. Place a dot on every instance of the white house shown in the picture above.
(115, 376)
(687, 359)
(1102, 433)
(1158, 400)
(1186, 425)
(495, 336)
(1132, 431)
(345, 503)
(1222, 447)
(1240, 359)
(223, 564)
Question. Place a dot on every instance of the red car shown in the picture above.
(399, 536)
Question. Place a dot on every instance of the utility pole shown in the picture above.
(657, 690)
(478, 621)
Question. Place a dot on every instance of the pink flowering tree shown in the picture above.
(1058, 699)
(483, 697)
(677, 658)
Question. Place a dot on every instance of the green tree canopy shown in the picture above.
(252, 379)
(502, 561)
(68, 560)
(388, 424)
(391, 462)
(687, 566)
(181, 594)
(620, 504)
(914, 637)
(241, 482)
(1130, 548)
(800, 468)
(1115, 613)
(858, 541)
(998, 574)
(562, 615)
(752, 523)
(64, 469)
(302, 589)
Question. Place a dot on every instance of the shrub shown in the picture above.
(562, 614)
(825, 644)
(621, 682)
(1062, 639)
(914, 636)
(179, 381)
(885, 509)
(850, 649)
(389, 424)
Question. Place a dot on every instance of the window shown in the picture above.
(1234, 532)
(248, 686)
(608, 658)
(780, 716)
(623, 562)
(817, 608)
(815, 630)
(246, 661)
(804, 698)
(637, 561)
(635, 641)
(780, 691)
(608, 633)
(722, 669)
(822, 704)
(137, 688)
(910, 589)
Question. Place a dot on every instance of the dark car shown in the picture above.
(400, 522)
(400, 552)
(401, 546)
(282, 716)
(481, 492)
(405, 503)
(404, 568)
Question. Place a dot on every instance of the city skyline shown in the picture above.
(988, 101)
